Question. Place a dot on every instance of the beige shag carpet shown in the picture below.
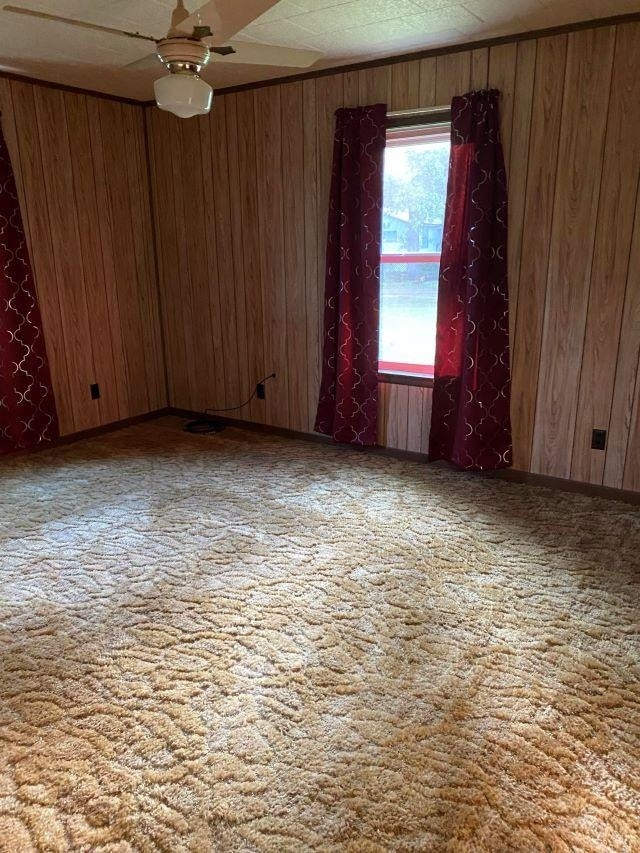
(246, 643)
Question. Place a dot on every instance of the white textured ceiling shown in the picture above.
(345, 30)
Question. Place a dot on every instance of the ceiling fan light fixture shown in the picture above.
(184, 94)
(185, 50)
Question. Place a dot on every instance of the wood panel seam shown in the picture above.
(547, 289)
(156, 254)
(593, 249)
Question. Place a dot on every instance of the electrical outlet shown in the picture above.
(95, 391)
(260, 391)
(599, 439)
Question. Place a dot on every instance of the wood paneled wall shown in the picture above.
(82, 173)
(241, 199)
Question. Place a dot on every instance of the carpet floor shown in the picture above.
(247, 643)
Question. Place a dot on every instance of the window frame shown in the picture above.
(400, 131)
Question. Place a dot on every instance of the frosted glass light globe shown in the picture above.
(184, 95)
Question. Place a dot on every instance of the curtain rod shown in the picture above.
(424, 111)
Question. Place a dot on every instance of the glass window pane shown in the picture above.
(408, 305)
(415, 188)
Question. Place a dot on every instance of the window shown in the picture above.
(416, 165)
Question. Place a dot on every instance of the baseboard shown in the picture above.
(314, 437)
(510, 474)
(592, 490)
(84, 434)
(252, 426)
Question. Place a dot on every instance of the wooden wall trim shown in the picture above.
(313, 437)
(405, 379)
(77, 90)
(481, 44)
(85, 434)
(357, 66)
(510, 475)
(590, 490)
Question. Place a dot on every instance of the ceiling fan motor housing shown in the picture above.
(183, 54)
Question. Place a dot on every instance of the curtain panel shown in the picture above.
(348, 404)
(471, 424)
(27, 408)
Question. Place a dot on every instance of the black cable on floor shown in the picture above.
(204, 426)
(207, 426)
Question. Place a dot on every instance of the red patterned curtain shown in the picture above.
(27, 408)
(471, 424)
(348, 405)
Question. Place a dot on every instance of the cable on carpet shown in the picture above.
(207, 426)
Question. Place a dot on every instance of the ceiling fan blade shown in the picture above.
(253, 53)
(151, 60)
(19, 10)
(227, 17)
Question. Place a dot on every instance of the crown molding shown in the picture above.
(527, 35)
(76, 90)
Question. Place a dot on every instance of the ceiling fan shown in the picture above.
(187, 48)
